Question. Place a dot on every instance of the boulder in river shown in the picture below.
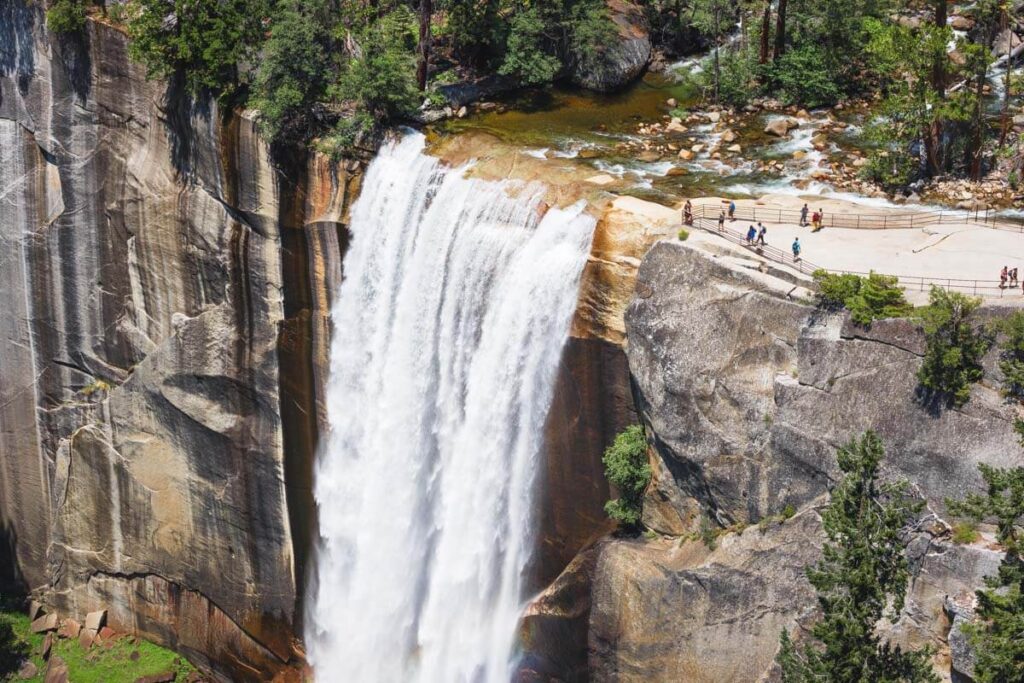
(624, 59)
(780, 127)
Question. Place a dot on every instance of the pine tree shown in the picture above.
(952, 358)
(861, 578)
(998, 635)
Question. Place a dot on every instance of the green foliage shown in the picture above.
(114, 664)
(708, 533)
(66, 16)
(294, 70)
(879, 296)
(803, 76)
(995, 637)
(1018, 426)
(917, 108)
(861, 579)
(684, 235)
(590, 30)
(788, 511)
(202, 42)
(530, 57)
(627, 469)
(952, 360)
(867, 298)
(835, 288)
(477, 30)
(380, 78)
(346, 135)
(965, 533)
(737, 80)
(1012, 358)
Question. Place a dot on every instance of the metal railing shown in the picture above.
(765, 250)
(988, 288)
(881, 221)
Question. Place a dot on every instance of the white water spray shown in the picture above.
(448, 331)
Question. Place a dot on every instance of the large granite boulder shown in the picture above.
(673, 609)
(749, 391)
(622, 61)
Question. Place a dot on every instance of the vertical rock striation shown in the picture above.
(161, 347)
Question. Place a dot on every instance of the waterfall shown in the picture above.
(448, 330)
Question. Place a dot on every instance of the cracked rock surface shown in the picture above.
(155, 359)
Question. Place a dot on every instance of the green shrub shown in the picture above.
(1018, 426)
(627, 469)
(861, 579)
(294, 70)
(347, 134)
(868, 299)
(737, 84)
(879, 296)
(684, 235)
(788, 512)
(66, 16)
(802, 76)
(835, 288)
(965, 533)
(204, 46)
(995, 637)
(590, 31)
(1012, 361)
(954, 347)
(529, 56)
(708, 533)
(381, 79)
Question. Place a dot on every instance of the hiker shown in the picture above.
(751, 234)
(803, 216)
(721, 221)
(688, 213)
(1013, 277)
(761, 233)
(796, 249)
(816, 220)
(1003, 276)
(732, 210)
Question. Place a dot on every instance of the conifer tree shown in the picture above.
(861, 578)
(998, 635)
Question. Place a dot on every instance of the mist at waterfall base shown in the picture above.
(448, 330)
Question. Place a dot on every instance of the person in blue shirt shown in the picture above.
(796, 249)
(751, 234)
(732, 210)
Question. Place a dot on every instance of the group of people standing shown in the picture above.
(754, 236)
(1008, 278)
(817, 220)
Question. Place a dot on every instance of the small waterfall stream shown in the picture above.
(448, 331)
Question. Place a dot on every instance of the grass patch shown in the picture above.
(684, 235)
(965, 533)
(125, 660)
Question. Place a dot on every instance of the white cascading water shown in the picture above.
(448, 331)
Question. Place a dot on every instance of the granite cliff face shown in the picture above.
(746, 392)
(160, 351)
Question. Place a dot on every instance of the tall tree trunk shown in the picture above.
(933, 136)
(1005, 123)
(780, 31)
(718, 41)
(974, 148)
(766, 29)
(426, 11)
